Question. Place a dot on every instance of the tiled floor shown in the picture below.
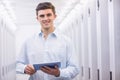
(22, 77)
(25, 77)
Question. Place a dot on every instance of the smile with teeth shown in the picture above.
(46, 22)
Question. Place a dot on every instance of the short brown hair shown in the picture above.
(45, 5)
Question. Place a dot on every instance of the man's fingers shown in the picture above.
(45, 70)
(29, 69)
(52, 71)
(28, 72)
(56, 67)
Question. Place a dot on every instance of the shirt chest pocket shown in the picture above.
(58, 52)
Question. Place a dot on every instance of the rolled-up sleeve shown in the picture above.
(21, 60)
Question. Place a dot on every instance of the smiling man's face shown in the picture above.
(46, 18)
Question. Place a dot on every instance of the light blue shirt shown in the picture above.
(56, 48)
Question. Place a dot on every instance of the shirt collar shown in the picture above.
(54, 33)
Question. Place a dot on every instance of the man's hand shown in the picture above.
(29, 69)
(52, 71)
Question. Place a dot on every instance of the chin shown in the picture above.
(46, 27)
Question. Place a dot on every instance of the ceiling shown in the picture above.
(25, 10)
(25, 14)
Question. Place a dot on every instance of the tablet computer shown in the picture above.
(51, 65)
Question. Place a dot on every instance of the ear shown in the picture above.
(37, 17)
(55, 15)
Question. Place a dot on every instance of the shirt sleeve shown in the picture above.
(72, 68)
(21, 60)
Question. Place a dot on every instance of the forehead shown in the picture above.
(45, 11)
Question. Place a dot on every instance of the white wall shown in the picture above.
(7, 48)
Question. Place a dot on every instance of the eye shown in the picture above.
(42, 16)
(49, 14)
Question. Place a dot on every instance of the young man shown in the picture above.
(46, 47)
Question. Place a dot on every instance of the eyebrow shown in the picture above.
(43, 15)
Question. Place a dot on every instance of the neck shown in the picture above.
(47, 31)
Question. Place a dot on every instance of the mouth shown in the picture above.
(46, 22)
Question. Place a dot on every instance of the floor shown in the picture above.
(22, 77)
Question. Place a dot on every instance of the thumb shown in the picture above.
(56, 66)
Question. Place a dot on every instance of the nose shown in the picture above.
(46, 17)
